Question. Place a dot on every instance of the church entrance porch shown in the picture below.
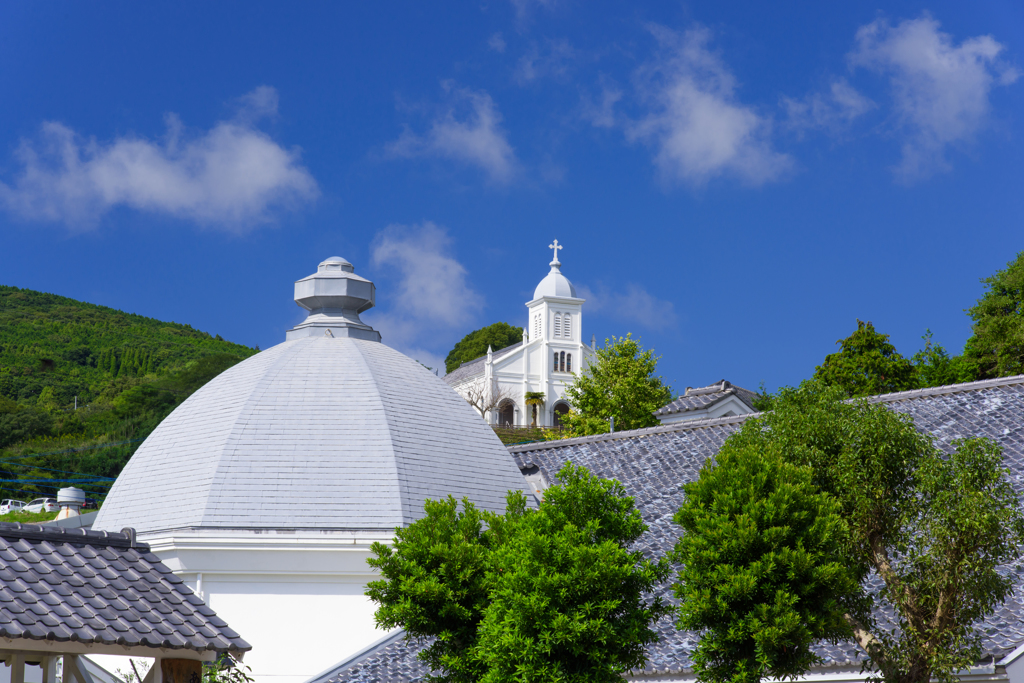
(559, 410)
(507, 414)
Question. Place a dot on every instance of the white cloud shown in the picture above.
(696, 124)
(432, 297)
(602, 114)
(524, 7)
(496, 42)
(476, 138)
(832, 111)
(632, 303)
(552, 60)
(231, 176)
(940, 90)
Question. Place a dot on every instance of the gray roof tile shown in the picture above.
(653, 463)
(476, 366)
(700, 398)
(104, 592)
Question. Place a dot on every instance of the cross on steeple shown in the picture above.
(556, 246)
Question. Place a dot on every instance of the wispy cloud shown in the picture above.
(631, 303)
(524, 8)
(468, 130)
(940, 89)
(602, 114)
(695, 123)
(497, 42)
(232, 176)
(832, 111)
(430, 296)
(552, 59)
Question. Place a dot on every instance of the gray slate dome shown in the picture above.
(319, 432)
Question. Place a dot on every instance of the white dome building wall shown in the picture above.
(266, 488)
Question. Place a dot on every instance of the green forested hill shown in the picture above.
(124, 372)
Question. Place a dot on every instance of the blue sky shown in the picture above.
(735, 182)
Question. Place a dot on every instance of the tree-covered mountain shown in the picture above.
(82, 385)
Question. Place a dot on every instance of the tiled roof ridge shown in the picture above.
(498, 355)
(39, 532)
(946, 389)
(698, 424)
(630, 433)
(360, 656)
(722, 395)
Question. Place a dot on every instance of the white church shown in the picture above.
(544, 362)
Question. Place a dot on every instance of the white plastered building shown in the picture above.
(265, 489)
(545, 361)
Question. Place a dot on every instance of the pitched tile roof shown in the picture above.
(476, 366)
(704, 397)
(652, 464)
(96, 587)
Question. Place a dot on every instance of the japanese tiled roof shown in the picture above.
(653, 463)
(705, 397)
(102, 588)
(476, 366)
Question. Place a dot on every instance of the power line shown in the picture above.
(94, 482)
(47, 469)
(77, 450)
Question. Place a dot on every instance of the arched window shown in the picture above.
(568, 362)
(555, 367)
(558, 324)
(507, 413)
(560, 410)
(561, 364)
(567, 326)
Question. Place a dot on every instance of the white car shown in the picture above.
(43, 505)
(7, 505)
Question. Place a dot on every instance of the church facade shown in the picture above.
(499, 384)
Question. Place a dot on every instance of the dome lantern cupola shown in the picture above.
(554, 283)
(334, 296)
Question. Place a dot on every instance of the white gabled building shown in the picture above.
(551, 351)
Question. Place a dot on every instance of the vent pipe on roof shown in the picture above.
(71, 501)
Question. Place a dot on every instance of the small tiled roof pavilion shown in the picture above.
(65, 593)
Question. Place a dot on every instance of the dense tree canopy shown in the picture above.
(867, 364)
(548, 594)
(619, 382)
(997, 343)
(474, 344)
(934, 528)
(127, 372)
(762, 570)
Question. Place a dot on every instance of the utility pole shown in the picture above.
(611, 422)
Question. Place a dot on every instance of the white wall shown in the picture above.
(296, 596)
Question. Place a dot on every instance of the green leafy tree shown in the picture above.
(936, 368)
(762, 570)
(934, 528)
(867, 364)
(996, 345)
(619, 382)
(548, 594)
(474, 344)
